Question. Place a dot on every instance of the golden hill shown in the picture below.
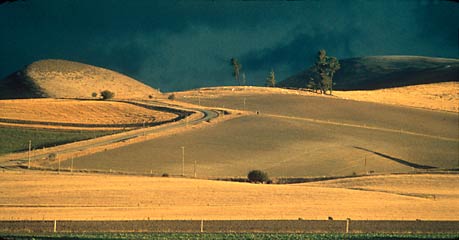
(66, 79)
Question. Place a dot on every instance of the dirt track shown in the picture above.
(225, 226)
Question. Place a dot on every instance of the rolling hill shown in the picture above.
(377, 72)
(54, 78)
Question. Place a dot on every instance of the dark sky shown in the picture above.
(175, 45)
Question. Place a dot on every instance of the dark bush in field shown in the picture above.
(258, 176)
(94, 94)
(171, 97)
(106, 94)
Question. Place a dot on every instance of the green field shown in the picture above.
(17, 139)
(229, 236)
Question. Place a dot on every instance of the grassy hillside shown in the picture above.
(384, 72)
(296, 135)
(67, 79)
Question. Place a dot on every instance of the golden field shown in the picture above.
(435, 96)
(79, 112)
(42, 195)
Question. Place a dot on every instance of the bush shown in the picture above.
(171, 97)
(165, 175)
(107, 94)
(94, 94)
(257, 176)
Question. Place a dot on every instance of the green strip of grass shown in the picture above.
(17, 139)
(230, 236)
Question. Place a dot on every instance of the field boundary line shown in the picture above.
(399, 131)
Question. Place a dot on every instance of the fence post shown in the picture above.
(202, 225)
(55, 226)
(348, 222)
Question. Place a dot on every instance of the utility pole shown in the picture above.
(244, 104)
(71, 166)
(195, 168)
(365, 164)
(28, 153)
(183, 161)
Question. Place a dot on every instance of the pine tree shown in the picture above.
(236, 69)
(271, 79)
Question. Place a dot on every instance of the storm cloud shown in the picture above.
(176, 45)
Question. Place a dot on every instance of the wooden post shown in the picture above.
(366, 172)
(28, 153)
(55, 226)
(202, 225)
(183, 161)
(71, 166)
(348, 221)
(58, 165)
(194, 168)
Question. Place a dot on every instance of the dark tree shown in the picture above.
(106, 94)
(236, 69)
(257, 176)
(271, 79)
(325, 68)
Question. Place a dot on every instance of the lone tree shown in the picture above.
(106, 94)
(325, 68)
(258, 176)
(271, 79)
(236, 69)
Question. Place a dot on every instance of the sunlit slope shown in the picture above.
(66, 79)
(378, 72)
(295, 136)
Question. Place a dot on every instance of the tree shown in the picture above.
(236, 69)
(271, 79)
(258, 176)
(325, 68)
(106, 94)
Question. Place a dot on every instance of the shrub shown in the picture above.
(171, 97)
(165, 175)
(150, 96)
(52, 156)
(106, 94)
(258, 176)
(94, 94)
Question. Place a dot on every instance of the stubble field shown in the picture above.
(296, 136)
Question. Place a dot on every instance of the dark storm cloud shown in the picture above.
(186, 44)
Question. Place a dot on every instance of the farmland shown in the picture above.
(17, 139)
(78, 113)
(313, 136)
(47, 196)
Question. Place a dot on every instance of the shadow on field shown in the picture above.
(401, 161)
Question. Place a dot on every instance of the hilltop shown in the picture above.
(378, 72)
(53, 78)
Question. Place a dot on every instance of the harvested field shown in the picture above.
(79, 112)
(437, 96)
(313, 136)
(49, 196)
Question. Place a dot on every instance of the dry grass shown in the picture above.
(54, 78)
(31, 195)
(79, 112)
(436, 96)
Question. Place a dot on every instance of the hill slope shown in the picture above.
(66, 79)
(378, 72)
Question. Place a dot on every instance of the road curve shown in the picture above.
(207, 116)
